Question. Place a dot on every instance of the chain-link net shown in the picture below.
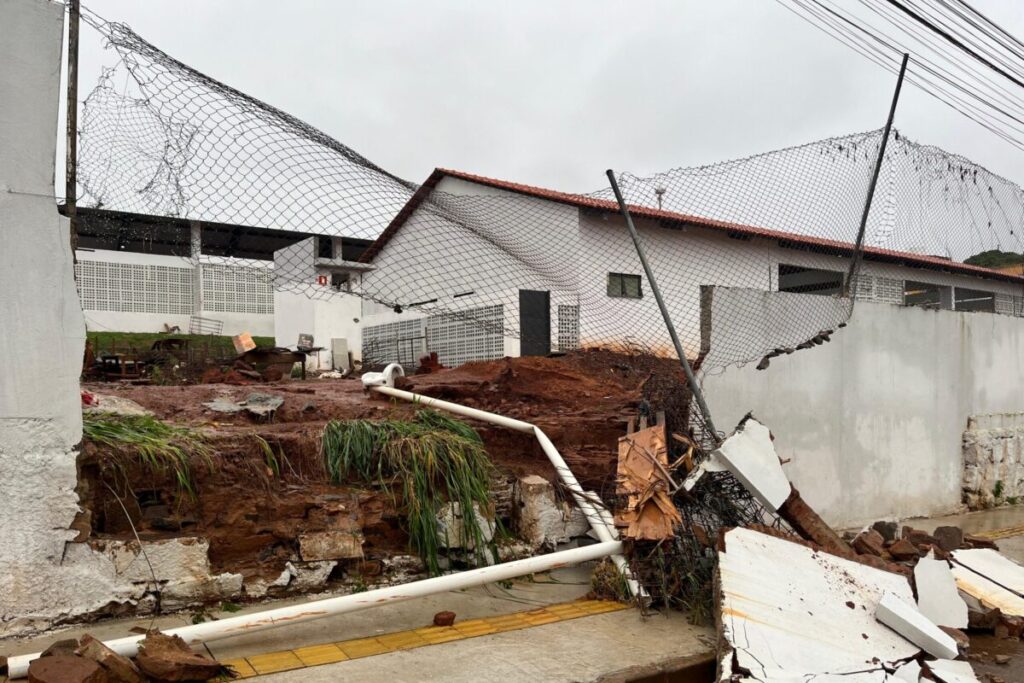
(753, 256)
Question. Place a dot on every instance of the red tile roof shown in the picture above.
(587, 202)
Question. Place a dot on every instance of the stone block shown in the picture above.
(330, 545)
(451, 532)
(541, 520)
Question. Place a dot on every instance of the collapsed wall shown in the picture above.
(873, 420)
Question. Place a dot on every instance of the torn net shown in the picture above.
(159, 138)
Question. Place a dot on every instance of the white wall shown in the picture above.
(333, 316)
(257, 324)
(42, 335)
(874, 420)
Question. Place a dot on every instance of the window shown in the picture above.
(624, 286)
(340, 282)
(926, 295)
(810, 280)
(324, 247)
(974, 300)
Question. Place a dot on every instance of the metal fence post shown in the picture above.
(695, 389)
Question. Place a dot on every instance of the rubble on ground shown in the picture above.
(161, 658)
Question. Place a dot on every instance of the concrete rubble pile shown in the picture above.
(87, 660)
(883, 604)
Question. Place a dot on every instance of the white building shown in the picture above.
(139, 273)
(560, 269)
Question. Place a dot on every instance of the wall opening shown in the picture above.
(926, 295)
(799, 280)
(974, 300)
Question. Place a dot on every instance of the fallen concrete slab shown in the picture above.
(903, 617)
(949, 671)
(750, 456)
(993, 579)
(937, 594)
(789, 611)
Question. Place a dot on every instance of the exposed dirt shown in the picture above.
(252, 517)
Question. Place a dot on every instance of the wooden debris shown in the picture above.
(645, 483)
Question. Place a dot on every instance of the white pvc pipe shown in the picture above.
(309, 611)
(598, 516)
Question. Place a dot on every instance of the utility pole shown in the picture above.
(859, 247)
(71, 163)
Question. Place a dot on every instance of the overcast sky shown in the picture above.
(548, 92)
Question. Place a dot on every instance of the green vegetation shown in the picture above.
(150, 443)
(998, 490)
(142, 341)
(433, 459)
(995, 258)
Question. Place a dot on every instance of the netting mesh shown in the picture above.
(752, 255)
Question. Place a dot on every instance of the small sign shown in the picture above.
(305, 341)
(243, 343)
(321, 280)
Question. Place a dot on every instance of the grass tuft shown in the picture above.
(433, 458)
(155, 445)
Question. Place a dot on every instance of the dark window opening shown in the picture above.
(624, 286)
(340, 282)
(324, 247)
(810, 280)
(974, 300)
(925, 295)
(470, 292)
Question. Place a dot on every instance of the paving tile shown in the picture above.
(320, 654)
(273, 662)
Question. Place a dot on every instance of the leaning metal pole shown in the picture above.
(695, 389)
(71, 163)
(859, 246)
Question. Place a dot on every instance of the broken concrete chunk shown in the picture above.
(950, 538)
(910, 672)
(331, 545)
(904, 618)
(888, 530)
(952, 671)
(65, 646)
(119, 668)
(118, 405)
(750, 455)
(541, 520)
(937, 594)
(260, 405)
(65, 668)
(869, 542)
(903, 550)
(169, 658)
(451, 532)
(444, 618)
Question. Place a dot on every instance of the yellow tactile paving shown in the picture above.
(242, 667)
(320, 654)
(1006, 532)
(362, 647)
(273, 662)
(330, 653)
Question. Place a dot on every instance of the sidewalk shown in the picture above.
(619, 645)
